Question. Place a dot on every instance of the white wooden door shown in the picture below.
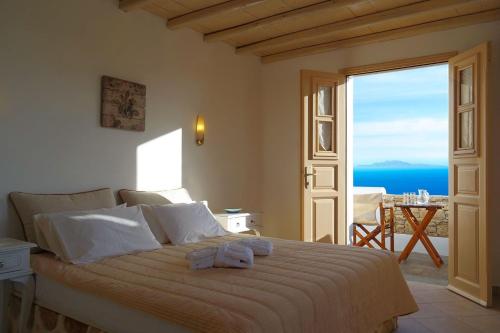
(323, 157)
(469, 269)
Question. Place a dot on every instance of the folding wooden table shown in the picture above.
(419, 230)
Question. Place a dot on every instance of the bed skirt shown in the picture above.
(43, 320)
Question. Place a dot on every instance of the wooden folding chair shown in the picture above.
(369, 211)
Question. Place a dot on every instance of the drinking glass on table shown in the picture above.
(413, 198)
(420, 198)
(426, 196)
(406, 198)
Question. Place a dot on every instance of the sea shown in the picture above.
(399, 181)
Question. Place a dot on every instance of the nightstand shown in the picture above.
(241, 222)
(15, 268)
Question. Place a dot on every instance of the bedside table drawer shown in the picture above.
(241, 222)
(254, 220)
(11, 261)
(237, 224)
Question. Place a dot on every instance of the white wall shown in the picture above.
(52, 56)
(280, 112)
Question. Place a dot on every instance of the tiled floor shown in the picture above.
(420, 268)
(442, 311)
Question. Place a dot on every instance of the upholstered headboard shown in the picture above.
(28, 204)
(133, 198)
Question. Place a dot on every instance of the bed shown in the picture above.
(301, 287)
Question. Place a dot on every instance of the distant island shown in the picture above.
(399, 177)
(394, 164)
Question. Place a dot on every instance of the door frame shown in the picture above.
(357, 70)
(405, 63)
(399, 64)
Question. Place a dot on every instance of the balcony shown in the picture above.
(419, 266)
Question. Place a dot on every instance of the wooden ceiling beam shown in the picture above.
(357, 22)
(186, 19)
(129, 5)
(444, 24)
(247, 27)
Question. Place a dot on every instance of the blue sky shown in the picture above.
(402, 115)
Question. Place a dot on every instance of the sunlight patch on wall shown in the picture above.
(159, 162)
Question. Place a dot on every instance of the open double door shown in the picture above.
(323, 170)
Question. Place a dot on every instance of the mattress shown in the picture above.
(96, 311)
(301, 287)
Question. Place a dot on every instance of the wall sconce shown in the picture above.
(200, 130)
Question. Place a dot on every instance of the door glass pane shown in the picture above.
(466, 86)
(325, 101)
(325, 135)
(466, 123)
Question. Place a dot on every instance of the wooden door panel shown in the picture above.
(323, 215)
(467, 179)
(467, 243)
(324, 177)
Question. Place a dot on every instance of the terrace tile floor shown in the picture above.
(420, 268)
(442, 311)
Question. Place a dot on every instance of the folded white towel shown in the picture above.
(259, 246)
(202, 258)
(202, 253)
(225, 255)
(234, 255)
(202, 263)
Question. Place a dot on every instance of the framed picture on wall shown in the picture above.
(123, 104)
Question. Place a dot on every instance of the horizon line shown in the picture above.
(401, 163)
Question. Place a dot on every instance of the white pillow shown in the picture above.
(188, 222)
(40, 237)
(87, 236)
(154, 223)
